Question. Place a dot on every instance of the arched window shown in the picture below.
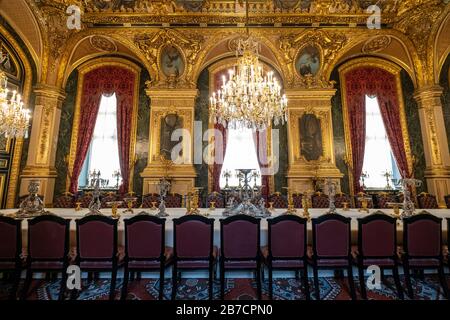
(240, 154)
(378, 157)
(103, 152)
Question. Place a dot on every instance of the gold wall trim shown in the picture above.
(85, 68)
(26, 92)
(391, 68)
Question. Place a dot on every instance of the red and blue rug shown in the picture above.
(331, 288)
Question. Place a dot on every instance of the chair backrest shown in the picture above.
(382, 200)
(279, 200)
(447, 201)
(144, 237)
(422, 235)
(427, 201)
(377, 235)
(193, 237)
(64, 201)
(48, 238)
(320, 200)
(297, 200)
(96, 238)
(219, 200)
(339, 200)
(149, 198)
(287, 237)
(173, 200)
(10, 238)
(109, 197)
(239, 237)
(331, 236)
(85, 200)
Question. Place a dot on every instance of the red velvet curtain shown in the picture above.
(220, 148)
(260, 139)
(105, 80)
(382, 84)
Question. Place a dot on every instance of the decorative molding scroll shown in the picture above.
(190, 45)
(102, 43)
(329, 43)
(376, 44)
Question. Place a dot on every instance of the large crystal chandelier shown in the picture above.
(14, 118)
(249, 98)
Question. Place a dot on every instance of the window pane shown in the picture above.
(104, 151)
(240, 154)
(378, 157)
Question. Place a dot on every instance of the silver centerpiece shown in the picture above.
(249, 196)
(408, 204)
(331, 187)
(32, 205)
(95, 204)
(163, 188)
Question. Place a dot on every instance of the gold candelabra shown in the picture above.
(194, 203)
(306, 204)
(291, 208)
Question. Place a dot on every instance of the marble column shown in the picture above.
(43, 141)
(180, 102)
(437, 173)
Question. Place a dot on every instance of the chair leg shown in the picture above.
(16, 280)
(306, 282)
(258, 280)
(63, 284)
(397, 283)
(126, 274)
(222, 282)
(211, 283)
(408, 280)
(174, 281)
(316, 282)
(27, 283)
(113, 284)
(362, 282)
(161, 282)
(270, 281)
(443, 281)
(351, 282)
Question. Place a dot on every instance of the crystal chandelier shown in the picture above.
(14, 118)
(250, 98)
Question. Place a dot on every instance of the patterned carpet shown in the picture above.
(236, 289)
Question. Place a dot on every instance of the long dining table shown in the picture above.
(217, 214)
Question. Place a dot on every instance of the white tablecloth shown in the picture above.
(217, 214)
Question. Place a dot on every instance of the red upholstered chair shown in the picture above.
(64, 201)
(447, 201)
(279, 200)
(297, 200)
(11, 250)
(193, 249)
(149, 198)
(331, 247)
(377, 245)
(339, 200)
(85, 199)
(240, 247)
(422, 245)
(286, 248)
(382, 200)
(145, 249)
(427, 201)
(217, 198)
(173, 200)
(320, 200)
(97, 246)
(48, 249)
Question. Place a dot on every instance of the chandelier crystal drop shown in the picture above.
(249, 98)
(14, 118)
